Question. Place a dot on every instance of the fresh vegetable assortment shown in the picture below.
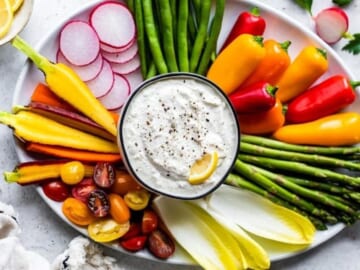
(294, 135)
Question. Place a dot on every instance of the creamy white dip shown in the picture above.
(170, 124)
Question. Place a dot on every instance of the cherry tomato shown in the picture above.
(124, 183)
(135, 230)
(119, 210)
(107, 230)
(137, 199)
(56, 190)
(104, 174)
(160, 244)
(134, 244)
(82, 190)
(149, 221)
(72, 172)
(98, 203)
(77, 212)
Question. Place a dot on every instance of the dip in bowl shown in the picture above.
(179, 135)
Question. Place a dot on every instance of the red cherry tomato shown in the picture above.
(104, 174)
(134, 244)
(56, 190)
(160, 244)
(98, 203)
(135, 230)
(149, 221)
(82, 190)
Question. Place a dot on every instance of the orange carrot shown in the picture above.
(43, 94)
(69, 153)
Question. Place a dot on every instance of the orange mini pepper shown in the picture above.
(273, 65)
(334, 130)
(236, 62)
(262, 123)
(307, 67)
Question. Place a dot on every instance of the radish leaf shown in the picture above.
(353, 46)
(342, 3)
(305, 4)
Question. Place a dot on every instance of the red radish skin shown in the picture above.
(135, 79)
(331, 24)
(113, 23)
(79, 43)
(102, 83)
(87, 72)
(126, 68)
(121, 57)
(109, 49)
(117, 95)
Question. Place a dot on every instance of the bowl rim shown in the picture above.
(121, 144)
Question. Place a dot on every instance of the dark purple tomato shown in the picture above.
(160, 244)
(104, 174)
(98, 203)
(56, 190)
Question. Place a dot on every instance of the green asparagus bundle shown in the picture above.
(318, 182)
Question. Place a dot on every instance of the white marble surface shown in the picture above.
(44, 232)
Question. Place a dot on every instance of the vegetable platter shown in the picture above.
(279, 27)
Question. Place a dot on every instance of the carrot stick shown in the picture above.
(43, 94)
(73, 154)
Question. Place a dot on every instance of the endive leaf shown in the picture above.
(255, 256)
(261, 217)
(210, 245)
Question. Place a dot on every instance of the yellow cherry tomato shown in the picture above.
(107, 230)
(137, 199)
(72, 172)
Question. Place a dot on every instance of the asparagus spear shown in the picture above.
(307, 193)
(299, 148)
(238, 181)
(302, 168)
(294, 156)
(273, 188)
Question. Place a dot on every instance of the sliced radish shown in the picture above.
(79, 43)
(117, 95)
(103, 82)
(331, 24)
(134, 79)
(109, 49)
(114, 24)
(127, 67)
(121, 57)
(87, 72)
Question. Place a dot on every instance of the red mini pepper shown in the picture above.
(248, 22)
(259, 96)
(323, 99)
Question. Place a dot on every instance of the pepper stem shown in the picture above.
(271, 90)
(40, 61)
(255, 11)
(354, 84)
(259, 39)
(322, 52)
(285, 45)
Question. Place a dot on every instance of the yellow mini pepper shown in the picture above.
(307, 67)
(334, 130)
(236, 62)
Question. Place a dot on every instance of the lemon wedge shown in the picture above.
(15, 4)
(6, 17)
(203, 168)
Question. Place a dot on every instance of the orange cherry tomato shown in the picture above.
(119, 210)
(137, 199)
(77, 212)
(124, 183)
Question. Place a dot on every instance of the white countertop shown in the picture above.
(46, 233)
